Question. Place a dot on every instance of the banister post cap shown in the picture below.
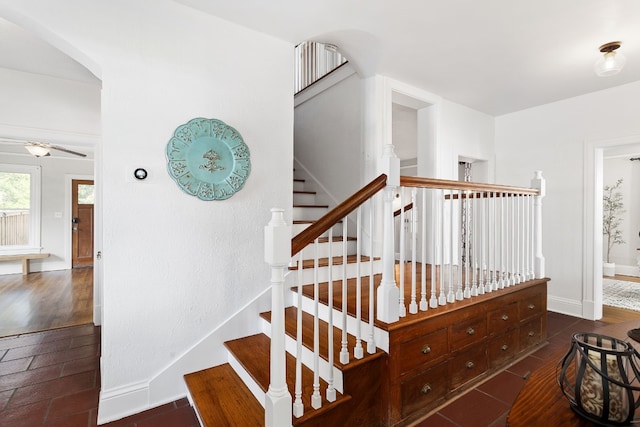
(277, 239)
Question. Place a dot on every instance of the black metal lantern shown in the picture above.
(599, 375)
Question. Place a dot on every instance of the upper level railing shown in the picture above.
(434, 242)
(314, 60)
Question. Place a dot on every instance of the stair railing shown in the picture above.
(465, 239)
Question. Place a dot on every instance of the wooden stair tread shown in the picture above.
(253, 353)
(337, 260)
(336, 239)
(217, 393)
(312, 206)
(303, 192)
(307, 338)
(298, 180)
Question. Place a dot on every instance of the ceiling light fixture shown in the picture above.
(611, 62)
(37, 150)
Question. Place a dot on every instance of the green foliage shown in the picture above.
(612, 210)
(14, 190)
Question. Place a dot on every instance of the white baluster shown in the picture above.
(442, 299)
(433, 301)
(344, 350)
(298, 406)
(451, 296)
(402, 310)
(467, 254)
(481, 249)
(413, 306)
(423, 285)
(331, 391)
(371, 345)
(278, 406)
(503, 241)
(358, 352)
(473, 262)
(459, 247)
(316, 399)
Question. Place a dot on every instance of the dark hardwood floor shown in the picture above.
(48, 300)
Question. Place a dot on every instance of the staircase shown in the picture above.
(233, 394)
(343, 345)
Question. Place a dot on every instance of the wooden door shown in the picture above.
(82, 223)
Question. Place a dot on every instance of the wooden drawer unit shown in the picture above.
(531, 333)
(424, 389)
(467, 365)
(503, 348)
(448, 349)
(532, 306)
(503, 318)
(424, 350)
(467, 332)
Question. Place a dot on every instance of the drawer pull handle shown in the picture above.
(426, 389)
(504, 347)
(505, 317)
(532, 306)
(426, 349)
(471, 331)
(532, 333)
(470, 365)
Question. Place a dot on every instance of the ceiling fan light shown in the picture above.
(37, 150)
(611, 62)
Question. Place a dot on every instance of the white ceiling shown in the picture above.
(22, 51)
(496, 56)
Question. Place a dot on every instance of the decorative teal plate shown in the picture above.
(208, 159)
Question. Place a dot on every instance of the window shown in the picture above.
(19, 208)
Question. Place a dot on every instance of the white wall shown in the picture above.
(552, 138)
(49, 103)
(464, 132)
(328, 136)
(175, 267)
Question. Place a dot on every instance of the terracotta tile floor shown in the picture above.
(52, 379)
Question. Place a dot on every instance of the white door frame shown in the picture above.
(592, 232)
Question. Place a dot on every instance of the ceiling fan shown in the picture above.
(41, 149)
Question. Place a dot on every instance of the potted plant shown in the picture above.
(612, 210)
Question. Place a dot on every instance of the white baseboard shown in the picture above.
(123, 401)
(564, 306)
(628, 270)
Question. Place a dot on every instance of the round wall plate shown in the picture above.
(208, 159)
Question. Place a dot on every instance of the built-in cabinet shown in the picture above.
(437, 357)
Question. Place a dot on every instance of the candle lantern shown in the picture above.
(599, 375)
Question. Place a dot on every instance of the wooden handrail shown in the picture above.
(329, 219)
(413, 181)
(407, 207)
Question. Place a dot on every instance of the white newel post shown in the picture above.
(277, 238)
(539, 183)
(387, 293)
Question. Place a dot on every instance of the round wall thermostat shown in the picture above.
(140, 173)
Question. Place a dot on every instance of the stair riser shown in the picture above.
(297, 228)
(307, 213)
(308, 358)
(336, 249)
(380, 337)
(255, 389)
(304, 199)
(298, 185)
(306, 276)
